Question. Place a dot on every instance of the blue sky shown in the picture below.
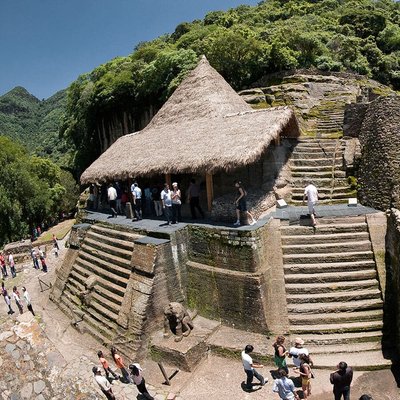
(46, 44)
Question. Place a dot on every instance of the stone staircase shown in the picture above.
(319, 159)
(105, 253)
(334, 301)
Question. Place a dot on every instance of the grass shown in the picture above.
(59, 230)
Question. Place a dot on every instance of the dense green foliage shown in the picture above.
(243, 44)
(32, 190)
(35, 123)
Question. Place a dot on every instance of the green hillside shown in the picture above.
(34, 123)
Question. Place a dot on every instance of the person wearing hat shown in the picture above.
(138, 380)
(103, 383)
(296, 350)
(176, 203)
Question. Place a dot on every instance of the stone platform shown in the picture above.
(190, 351)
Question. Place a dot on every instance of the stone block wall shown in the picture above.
(379, 171)
(354, 115)
(392, 297)
(234, 276)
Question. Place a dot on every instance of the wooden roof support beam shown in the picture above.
(210, 190)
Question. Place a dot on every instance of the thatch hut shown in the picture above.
(204, 128)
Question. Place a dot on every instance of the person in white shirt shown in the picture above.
(11, 263)
(137, 200)
(249, 366)
(296, 350)
(103, 383)
(311, 194)
(284, 386)
(138, 380)
(166, 199)
(27, 299)
(112, 199)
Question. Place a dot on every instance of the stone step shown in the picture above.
(310, 173)
(126, 236)
(301, 155)
(338, 295)
(319, 179)
(105, 263)
(334, 276)
(335, 317)
(327, 257)
(351, 225)
(306, 291)
(107, 287)
(317, 162)
(111, 241)
(334, 307)
(352, 326)
(334, 339)
(111, 249)
(105, 258)
(328, 129)
(320, 237)
(322, 171)
(314, 248)
(337, 268)
(317, 144)
(322, 190)
(324, 197)
(344, 348)
(367, 361)
(101, 272)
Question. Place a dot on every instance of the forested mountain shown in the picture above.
(34, 123)
(243, 44)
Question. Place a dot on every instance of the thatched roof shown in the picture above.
(205, 126)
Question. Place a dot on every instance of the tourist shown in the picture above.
(55, 242)
(176, 203)
(147, 202)
(112, 199)
(155, 196)
(137, 200)
(120, 364)
(341, 381)
(284, 386)
(119, 197)
(241, 205)
(103, 383)
(35, 260)
(44, 265)
(305, 374)
(249, 366)
(166, 201)
(194, 199)
(11, 264)
(27, 299)
(311, 194)
(124, 200)
(280, 353)
(17, 299)
(3, 265)
(296, 350)
(106, 366)
(138, 380)
(6, 299)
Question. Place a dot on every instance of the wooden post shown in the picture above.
(168, 180)
(210, 191)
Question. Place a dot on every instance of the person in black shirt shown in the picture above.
(341, 381)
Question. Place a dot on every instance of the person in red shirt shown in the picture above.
(106, 366)
(120, 364)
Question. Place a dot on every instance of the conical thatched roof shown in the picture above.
(203, 93)
(204, 126)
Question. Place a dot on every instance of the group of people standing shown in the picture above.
(341, 378)
(132, 375)
(11, 264)
(17, 299)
